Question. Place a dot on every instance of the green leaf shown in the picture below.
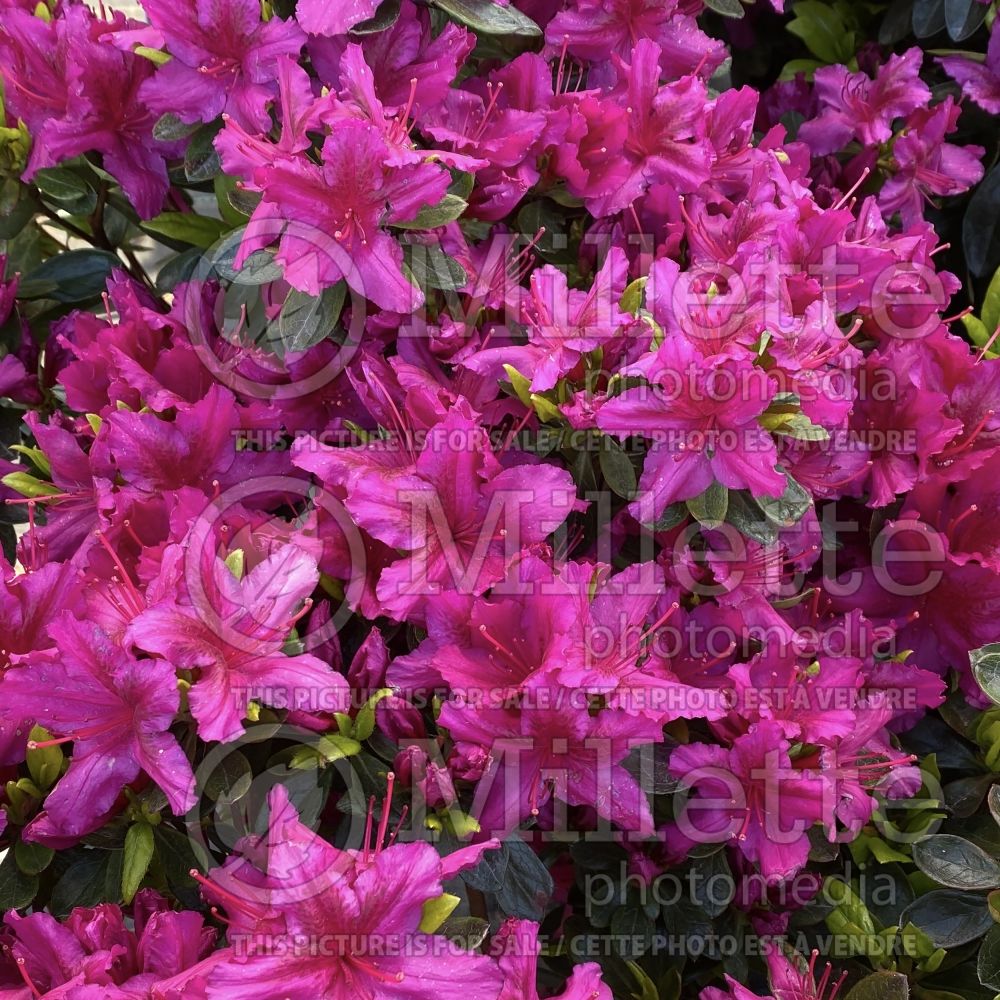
(634, 930)
(727, 8)
(617, 468)
(436, 911)
(467, 932)
(364, 723)
(990, 312)
(789, 508)
(748, 519)
(84, 883)
(993, 801)
(928, 18)
(897, 23)
(950, 918)
(882, 985)
(28, 485)
(70, 277)
(981, 226)
(186, 227)
(433, 268)
(956, 863)
(178, 269)
(225, 188)
(516, 876)
(201, 161)
(72, 192)
(976, 329)
(333, 747)
(671, 516)
(823, 31)
(709, 508)
(169, 128)
(156, 56)
(138, 854)
(647, 988)
(384, 17)
(17, 889)
(986, 670)
(448, 209)
(305, 320)
(231, 778)
(44, 763)
(963, 17)
(631, 301)
(490, 18)
(988, 962)
(32, 859)
(176, 856)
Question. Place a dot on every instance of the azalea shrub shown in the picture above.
(501, 500)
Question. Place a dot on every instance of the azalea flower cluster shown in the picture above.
(572, 440)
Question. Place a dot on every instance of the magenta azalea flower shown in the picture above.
(230, 635)
(328, 217)
(854, 106)
(755, 798)
(115, 709)
(224, 59)
(701, 415)
(517, 946)
(980, 82)
(308, 920)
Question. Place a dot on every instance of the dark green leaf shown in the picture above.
(515, 875)
(138, 854)
(745, 515)
(490, 18)
(897, 22)
(632, 930)
(68, 189)
(709, 508)
(955, 863)
(20, 214)
(201, 161)
(948, 917)
(617, 468)
(789, 508)
(714, 887)
(981, 226)
(231, 777)
(823, 31)
(727, 8)
(467, 932)
(993, 800)
(963, 17)
(448, 209)
(986, 669)
(169, 128)
(71, 276)
(177, 269)
(988, 962)
(882, 985)
(17, 890)
(928, 17)
(32, 859)
(84, 883)
(305, 320)
(672, 515)
(174, 852)
(384, 17)
(433, 268)
(964, 796)
(186, 227)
